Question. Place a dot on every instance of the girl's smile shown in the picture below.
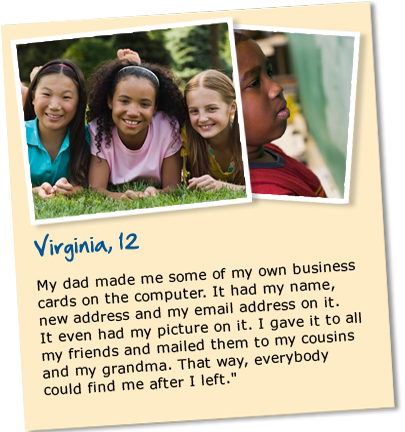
(209, 114)
(55, 102)
(207, 127)
(132, 123)
(133, 106)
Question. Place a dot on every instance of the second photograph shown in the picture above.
(298, 92)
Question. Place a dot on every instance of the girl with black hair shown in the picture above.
(135, 114)
(58, 141)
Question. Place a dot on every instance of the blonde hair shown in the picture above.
(198, 160)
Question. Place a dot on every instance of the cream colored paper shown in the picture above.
(356, 375)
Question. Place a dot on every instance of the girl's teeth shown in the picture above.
(132, 122)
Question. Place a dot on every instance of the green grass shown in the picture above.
(88, 202)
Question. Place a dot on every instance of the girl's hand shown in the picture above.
(205, 181)
(151, 191)
(130, 194)
(63, 187)
(128, 54)
(24, 91)
(45, 190)
(34, 71)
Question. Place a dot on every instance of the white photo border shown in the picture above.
(166, 26)
(356, 36)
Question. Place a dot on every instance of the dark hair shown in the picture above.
(79, 160)
(241, 37)
(104, 80)
(199, 160)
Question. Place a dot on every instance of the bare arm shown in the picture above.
(171, 172)
(99, 174)
(171, 175)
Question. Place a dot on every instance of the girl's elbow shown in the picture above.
(171, 187)
(96, 187)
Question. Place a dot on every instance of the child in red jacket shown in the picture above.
(265, 117)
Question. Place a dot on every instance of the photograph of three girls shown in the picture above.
(129, 129)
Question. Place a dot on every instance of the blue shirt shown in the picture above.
(41, 167)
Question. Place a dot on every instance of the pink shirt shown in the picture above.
(144, 163)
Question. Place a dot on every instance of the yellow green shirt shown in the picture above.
(215, 168)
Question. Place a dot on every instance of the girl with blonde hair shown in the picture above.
(212, 156)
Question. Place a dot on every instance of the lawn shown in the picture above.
(88, 202)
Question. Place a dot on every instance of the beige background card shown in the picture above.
(355, 374)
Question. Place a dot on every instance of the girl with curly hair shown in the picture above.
(58, 141)
(212, 153)
(135, 114)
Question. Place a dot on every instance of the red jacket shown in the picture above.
(286, 176)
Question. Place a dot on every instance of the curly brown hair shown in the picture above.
(104, 80)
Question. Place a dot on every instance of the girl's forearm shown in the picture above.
(104, 191)
(169, 188)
